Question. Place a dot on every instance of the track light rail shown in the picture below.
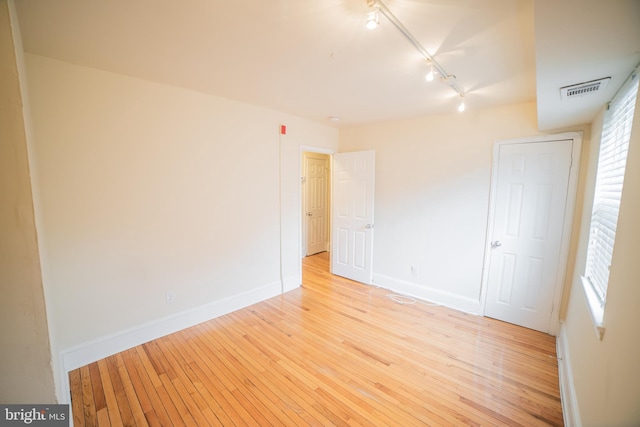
(444, 75)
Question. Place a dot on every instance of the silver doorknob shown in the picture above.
(368, 226)
(496, 244)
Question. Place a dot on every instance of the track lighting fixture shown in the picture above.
(461, 106)
(373, 20)
(431, 74)
(434, 67)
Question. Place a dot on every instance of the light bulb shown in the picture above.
(461, 107)
(373, 20)
(430, 75)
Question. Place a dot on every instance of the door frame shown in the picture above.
(305, 200)
(567, 228)
(320, 150)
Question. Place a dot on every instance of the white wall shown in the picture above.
(605, 378)
(146, 188)
(432, 198)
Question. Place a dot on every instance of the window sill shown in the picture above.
(596, 309)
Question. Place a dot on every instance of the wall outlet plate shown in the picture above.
(171, 297)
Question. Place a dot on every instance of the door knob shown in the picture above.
(309, 214)
(368, 226)
(496, 244)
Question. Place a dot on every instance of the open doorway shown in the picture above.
(315, 200)
(347, 228)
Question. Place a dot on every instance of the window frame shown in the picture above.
(619, 115)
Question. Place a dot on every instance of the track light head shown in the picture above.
(432, 72)
(461, 106)
(430, 75)
(373, 20)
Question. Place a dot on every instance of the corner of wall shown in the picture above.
(55, 364)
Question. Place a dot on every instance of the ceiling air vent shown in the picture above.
(586, 88)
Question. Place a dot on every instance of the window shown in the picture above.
(614, 144)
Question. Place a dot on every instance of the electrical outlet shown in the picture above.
(171, 297)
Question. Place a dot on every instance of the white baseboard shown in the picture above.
(291, 283)
(99, 348)
(447, 299)
(568, 398)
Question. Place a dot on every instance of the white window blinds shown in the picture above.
(616, 131)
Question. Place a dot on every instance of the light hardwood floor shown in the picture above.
(334, 352)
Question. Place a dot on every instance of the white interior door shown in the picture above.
(352, 215)
(530, 197)
(316, 202)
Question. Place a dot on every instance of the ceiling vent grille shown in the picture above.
(582, 89)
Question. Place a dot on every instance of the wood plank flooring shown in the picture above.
(334, 352)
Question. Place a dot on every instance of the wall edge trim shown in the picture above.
(292, 282)
(568, 398)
